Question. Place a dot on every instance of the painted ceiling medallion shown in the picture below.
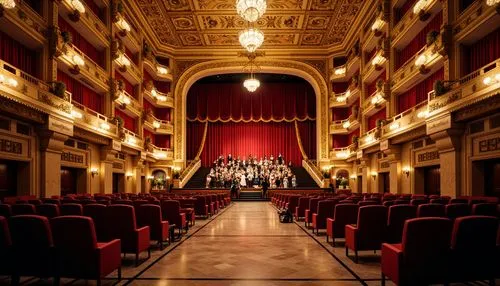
(251, 10)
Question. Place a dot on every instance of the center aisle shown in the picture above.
(247, 245)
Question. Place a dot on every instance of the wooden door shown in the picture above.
(432, 180)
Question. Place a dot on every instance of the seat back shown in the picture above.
(425, 245)
(74, 234)
(170, 210)
(120, 220)
(401, 202)
(138, 203)
(5, 210)
(150, 215)
(71, 209)
(123, 202)
(304, 202)
(459, 201)
(431, 210)
(454, 211)
(368, 203)
(97, 212)
(418, 201)
(313, 204)
(5, 240)
(199, 205)
(48, 210)
(52, 201)
(343, 215)
(326, 209)
(485, 209)
(396, 218)
(293, 202)
(23, 209)
(32, 245)
(439, 201)
(372, 222)
(388, 203)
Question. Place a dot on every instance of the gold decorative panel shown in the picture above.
(215, 23)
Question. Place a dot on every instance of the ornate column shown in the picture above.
(447, 136)
(51, 146)
(393, 153)
(138, 163)
(365, 183)
(106, 170)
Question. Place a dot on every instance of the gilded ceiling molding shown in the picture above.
(236, 65)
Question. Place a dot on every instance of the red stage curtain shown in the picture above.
(81, 43)
(129, 88)
(340, 87)
(372, 87)
(482, 52)
(418, 93)
(419, 41)
(97, 11)
(194, 135)
(18, 55)
(271, 102)
(400, 12)
(81, 93)
(307, 132)
(242, 139)
(128, 122)
(372, 120)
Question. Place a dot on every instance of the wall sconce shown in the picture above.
(128, 175)
(374, 175)
(353, 177)
(406, 171)
(94, 171)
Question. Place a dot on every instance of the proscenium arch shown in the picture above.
(205, 69)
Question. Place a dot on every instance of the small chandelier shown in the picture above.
(251, 10)
(251, 39)
(8, 4)
(251, 84)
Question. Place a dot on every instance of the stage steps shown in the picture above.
(199, 178)
(250, 196)
(304, 180)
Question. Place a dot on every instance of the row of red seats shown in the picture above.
(66, 246)
(439, 250)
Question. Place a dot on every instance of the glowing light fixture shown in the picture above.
(342, 154)
(251, 84)
(77, 5)
(105, 126)
(154, 93)
(378, 60)
(394, 126)
(161, 98)
(251, 39)
(492, 2)
(378, 97)
(11, 82)
(346, 124)
(340, 71)
(489, 80)
(2, 78)
(160, 154)
(162, 70)
(374, 174)
(122, 60)
(251, 10)
(94, 171)
(423, 114)
(131, 140)
(378, 25)
(420, 6)
(341, 98)
(78, 60)
(124, 98)
(369, 138)
(123, 25)
(76, 114)
(156, 124)
(8, 4)
(421, 60)
(406, 170)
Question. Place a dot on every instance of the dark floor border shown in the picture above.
(130, 280)
(250, 279)
(250, 235)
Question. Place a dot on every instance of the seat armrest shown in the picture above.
(109, 254)
(351, 236)
(391, 261)
(164, 229)
(143, 237)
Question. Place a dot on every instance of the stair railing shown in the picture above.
(314, 172)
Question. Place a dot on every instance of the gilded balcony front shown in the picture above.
(406, 121)
(22, 19)
(89, 119)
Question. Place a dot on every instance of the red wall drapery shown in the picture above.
(372, 120)
(482, 52)
(419, 41)
(162, 141)
(242, 139)
(339, 87)
(340, 141)
(418, 93)
(18, 55)
(81, 43)
(372, 87)
(128, 122)
(340, 113)
(80, 93)
(129, 88)
(231, 102)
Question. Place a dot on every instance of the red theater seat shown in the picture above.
(71, 209)
(201, 206)
(23, 209)
(343, 215)
(78, 255)
(369, 232)
(454, 211)
(98, 214)
(150, 215)
(5, 210)
(48, 210)
(138, 203)
(5, 247)
(313, 207)
(171, 212)
(431, 210)
(32, 247)
(486, 209)
(325, 210)
(301, 208)
(473, 249)
(420, 258)
(397, 216)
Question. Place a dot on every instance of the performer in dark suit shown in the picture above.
(229, 158)
(265, 186)
(280, 159)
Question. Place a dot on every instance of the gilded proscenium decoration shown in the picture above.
(286, 23)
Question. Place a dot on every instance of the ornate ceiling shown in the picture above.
(215, 23)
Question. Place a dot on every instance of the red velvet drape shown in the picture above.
(149, 134)
(148, 106)
(231, 102)
(80, 93)
(482, 52)
(372, 120)
(81, 43)
(36, 5)
(194, 135)
(340, 141)
(128, 122)
(18, 55)
(162, 86)
(163, 113)
(96, 9)
(370, 54)
(256, 138)
(352, 134)
(419, 41)
(339, 87)
(418, 93)
(129, 88)
(340, 113)
(162, 141)
(372, 87)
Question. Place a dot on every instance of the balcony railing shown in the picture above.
(375, 101)
(160, 153)
(370, 138)
(478, 14)
(160, 99)
(32, 91)
(92, 72)
(406, 120)
(159, 72)
(343, 126)
(375, 66)
(344, 99)
(93, 120)
(130, 38)
(343, 153)
(132, 139)
(471, 87)
(160, 126)
(30, 22)
(130, 103)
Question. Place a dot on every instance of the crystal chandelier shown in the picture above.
(251, 84)
(251, 10)
(251, 39)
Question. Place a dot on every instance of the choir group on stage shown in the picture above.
(266, 173)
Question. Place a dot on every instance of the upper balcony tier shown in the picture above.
(156, 70)
(475, 22)
(160, 154)
(405, 121)
(344, 153)
(420, 66)
(373, 35)
(128, 68)
(344, 127)
(129, 36)
(413, 22)
(374, 103)
(129, 104)
(344, 99)
(370, 138)
(81, 67)
(28, 29)
(91, 120)
(345, 71)
(480, 84)
(22, 87)
(158, 126)
(131, 139)
(375, 66)
(159, 99)
(81, 17)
